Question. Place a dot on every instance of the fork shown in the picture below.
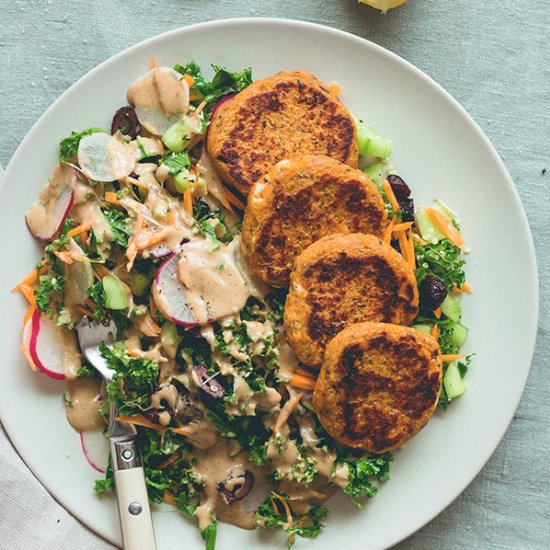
(133, 505)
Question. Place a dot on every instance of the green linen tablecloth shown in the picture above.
(492, 56)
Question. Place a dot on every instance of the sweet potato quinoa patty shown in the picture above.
(344, 279)
(275, 118)
(299, 201)
(378, 386)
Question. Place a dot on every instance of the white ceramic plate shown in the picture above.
(439, 150)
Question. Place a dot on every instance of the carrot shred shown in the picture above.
(390, 194)
(288, 408)
(189, 79)
(435, 331)
(437, 313)
(85, 311)
(90, 303)
(140, 420)
(28, 292)
(285, 506)
(136, 182)
(402, 226)
(28, 357)
(82, 228)
(410, 251)
(403, 245)
(30, 278)
(153, 63)
(64, 256)
(386, 236)
(200, 107)
(464, 287)
(452, 357)
(29, 313)
(171, 217)
(168, 498)
(188, 201)
(181, 431)
(111, 196)
(445, 225)
(155, 239)
(234, 200)
(419, 239)
(302, 382)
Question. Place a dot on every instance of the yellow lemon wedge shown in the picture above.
(383, 5)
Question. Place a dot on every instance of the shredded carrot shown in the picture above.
(452, 357)
(403, 245)
(410, 251)
(233, 199)
(420, 239)
(181, 431)
(82, 228)
(285, 506)
(90, 303)
(171, 217)
(335, 89)
(386, 237)
(136, 182)
(101, 271)
(305, 373)
(188, 201)
(201, 106)
(274, 506)
(29, 313)
(153, 63)
(140, 420)
(402, 226)
(390, 194)
(168, 498)
(189, 79)
(30, 278)
(302, 382)
(437, 313)
(464, 287)
(435, 331)
(111, 197)
(85, 311)
(288, 408)
(153, 308)
(155, 239)
(445, 225)
(28, 357)
(28, 292)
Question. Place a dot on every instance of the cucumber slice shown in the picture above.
(177, 137)
(170, 339)
(139, 283)
(147, 147)
(428, 231)
(459, 334)
(181, 180)
(114, 292)
(377, 172)
(452, 381)
(423, 328)
(451, 308)
(370, 143)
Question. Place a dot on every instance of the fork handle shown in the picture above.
(133, 507)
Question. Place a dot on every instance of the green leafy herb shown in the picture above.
(68, 147)
(49, 285)
(362, 471)
(176, 162)
(212, 225)
(441, 260)
(117, 221)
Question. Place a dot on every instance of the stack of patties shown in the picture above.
(313, 223)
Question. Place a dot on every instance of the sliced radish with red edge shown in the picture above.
(47, 347)
(96, 449)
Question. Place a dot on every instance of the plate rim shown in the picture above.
(532, 268)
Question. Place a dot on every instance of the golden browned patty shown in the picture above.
(275, 118)
(378, 385)
(344, 279)
(299, 201)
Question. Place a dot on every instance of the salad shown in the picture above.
(136, 224)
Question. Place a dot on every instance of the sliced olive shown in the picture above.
(432, 292)
(208, 383)
(126, 121)
(236, 487)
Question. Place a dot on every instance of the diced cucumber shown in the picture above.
(139, 283)
(181, 181)
(170, 339)
(423, 328)
(377, 172)
(177, 137)
(428, 231)
(114, 292)
(452, 381)
(451, 308)
(147, 147)
(370, 143)
(459, 334)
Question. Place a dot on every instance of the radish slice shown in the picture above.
(157, 251)
(79, 276)
(47, 346)
(160, 98)
(222, 101)
(169, 294)
(96, 449)
(104, 158)
(46, 218)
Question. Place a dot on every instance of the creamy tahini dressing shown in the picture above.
(83, 403)
(223, 464)
(215, 287)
